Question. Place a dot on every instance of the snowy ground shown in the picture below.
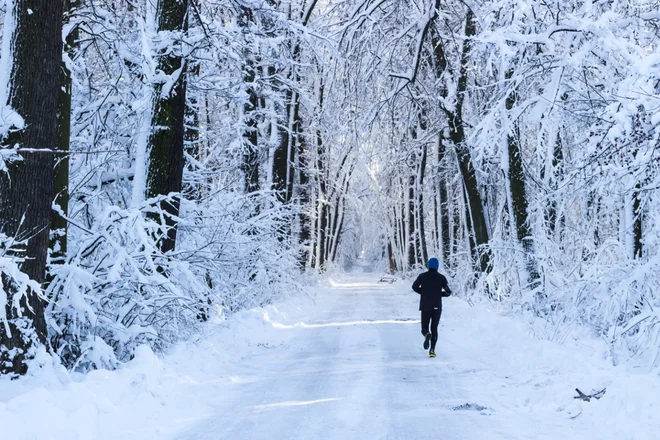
(346, 363)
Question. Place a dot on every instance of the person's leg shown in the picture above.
(426, 319)
(435, 320)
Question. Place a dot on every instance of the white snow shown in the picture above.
(8, 116)
(344, 363)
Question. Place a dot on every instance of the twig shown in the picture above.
(588, 398)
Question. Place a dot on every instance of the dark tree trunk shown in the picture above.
(593, 212)
(475, 215)
(251, 156)
(393, 240)
(27, 186)
(322, 239)
(437, 233)
(445, 215)
(458, 227)
(334, 225)
(166, 142)
(403, 242)
(412, 251)
(303, 189)
(250, 164)
(424, 254)
(339, 229)
(637, 222)
(281, 156)
(284, 157)
(518, 192)
(322, 212)
(551, 213)
(322, 199)
(399, 234)
(639, 138)
(61, 166)
(391, 262)
(285, 153)
(292, 150)
(338, 216)
(443, 195)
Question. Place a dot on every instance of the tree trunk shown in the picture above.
(551, 213)
(303, 189)
(251, 155)
(393, 240)
(391, 262)
(437, 233)
(298, 149)
(339, 229)
(424, 254)
(59, 223)
(518, 193)
(637, 222)
(639, 136)
(443, 196)
(339, 198)
(322, 210)
(403, 230)
(412, 251)
(166, 142)
(250, 164)
(27, 185)
(475, 215)
(458, 226)
(398, 244)
(281, 156)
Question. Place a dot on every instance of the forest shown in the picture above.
(166, 161)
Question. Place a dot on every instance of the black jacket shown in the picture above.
(432, 286)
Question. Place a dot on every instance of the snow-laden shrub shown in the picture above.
(118, 289)
(617, 298)
(236, 243)
(16, 333)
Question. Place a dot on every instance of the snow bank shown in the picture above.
(148, 397)
(515, 373)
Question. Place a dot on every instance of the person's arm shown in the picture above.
(417, 285)
(446, 291)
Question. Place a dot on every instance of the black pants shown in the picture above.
(432, 317)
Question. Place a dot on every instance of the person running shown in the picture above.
(431, 286)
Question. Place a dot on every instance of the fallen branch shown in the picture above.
(387, 279)
(588, 397)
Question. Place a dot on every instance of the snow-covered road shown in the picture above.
(354, 368)
(345, 363)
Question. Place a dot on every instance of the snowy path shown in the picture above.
(356, 370)
(344, 364)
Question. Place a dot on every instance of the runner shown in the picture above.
(431, 286)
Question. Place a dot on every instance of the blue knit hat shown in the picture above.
(433, 264)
